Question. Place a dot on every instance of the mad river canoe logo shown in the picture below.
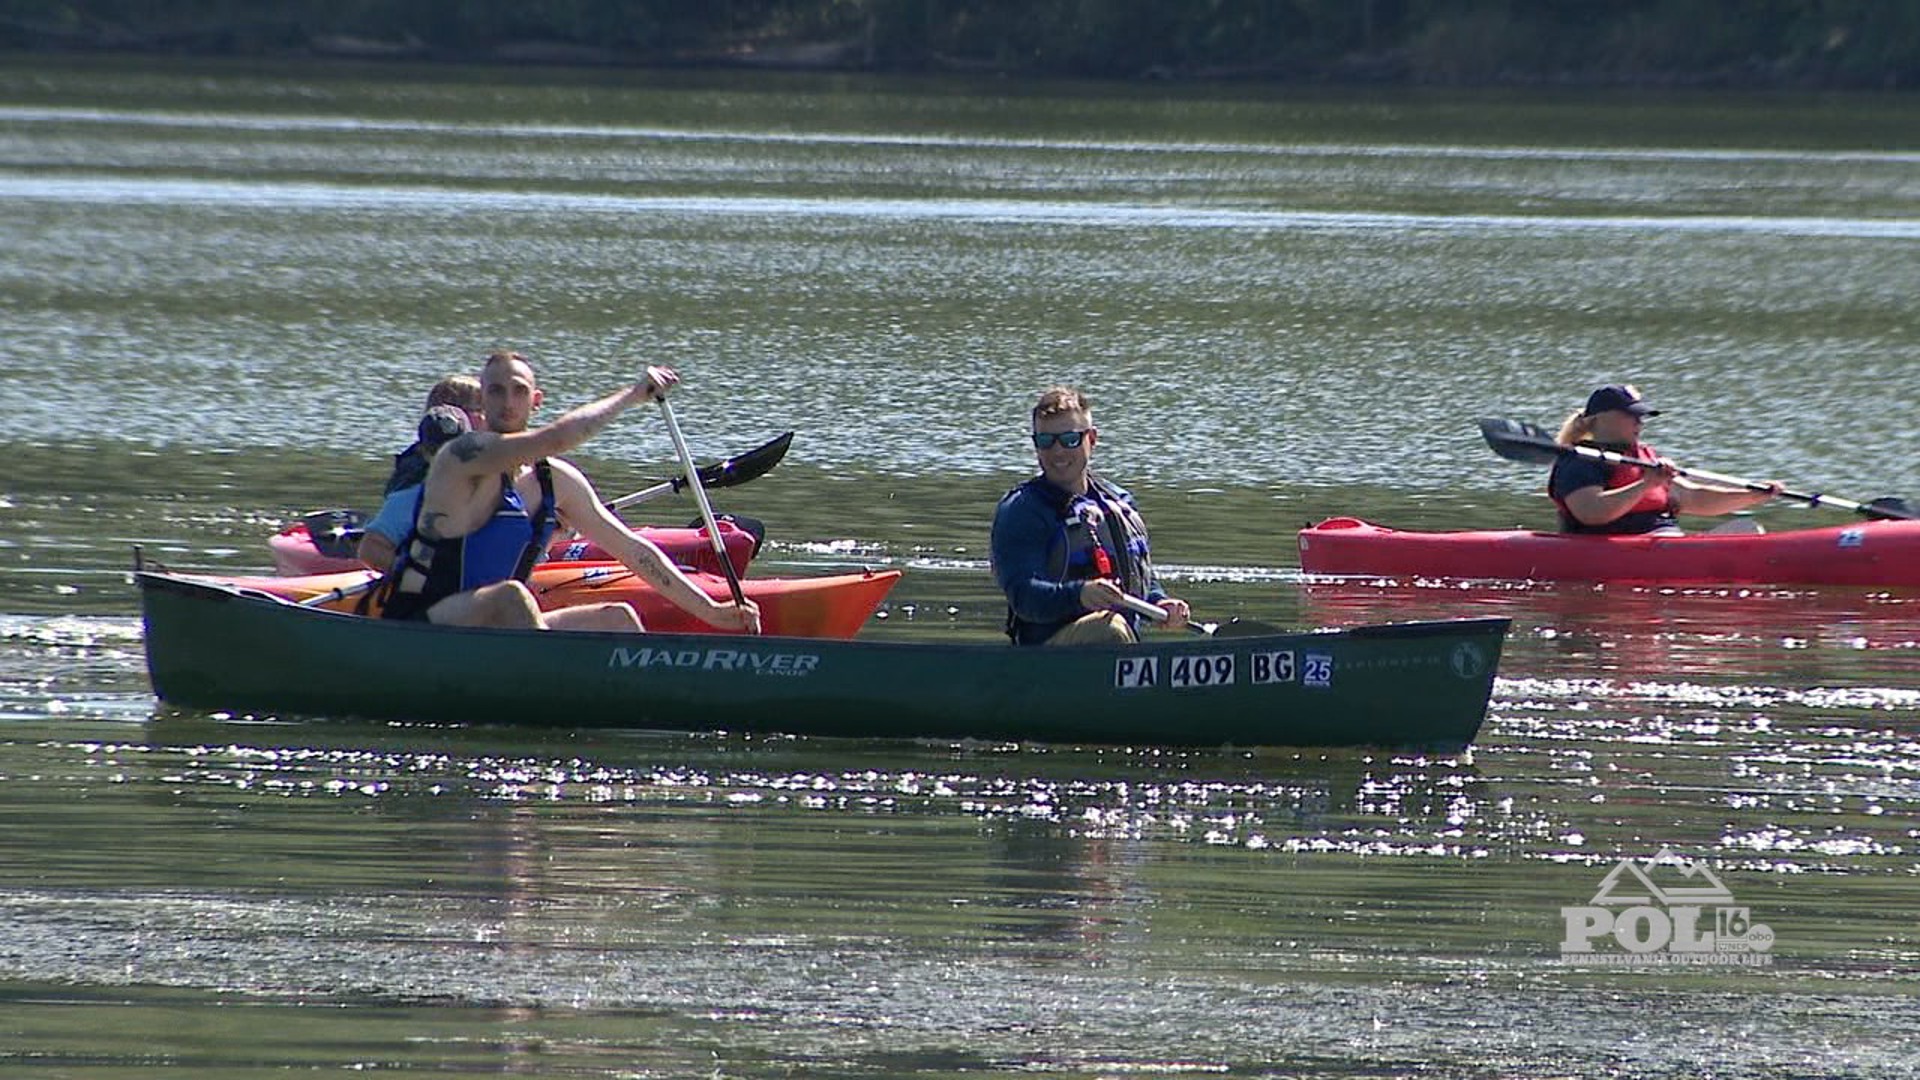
(1663, 910)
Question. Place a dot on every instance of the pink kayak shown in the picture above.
(1865, 553)
(296, 552)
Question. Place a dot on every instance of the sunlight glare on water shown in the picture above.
(227, 289)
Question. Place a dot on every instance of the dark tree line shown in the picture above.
(1758, 43)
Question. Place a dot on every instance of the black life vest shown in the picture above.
(428, 571)
(1102, 536)
(409, 468)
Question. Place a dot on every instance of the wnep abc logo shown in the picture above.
(1634, 919)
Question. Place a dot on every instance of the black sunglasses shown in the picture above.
(1043, 440)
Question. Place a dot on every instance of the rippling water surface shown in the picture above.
(225, 289)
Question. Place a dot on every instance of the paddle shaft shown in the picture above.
(1518, 441)
(1811, 499)
(700, 496)
(1159, 614)
(737, 469)
(646, 494)
(341, 592)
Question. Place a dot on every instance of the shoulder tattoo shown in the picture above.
(465, 447)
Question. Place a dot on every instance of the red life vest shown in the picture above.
(1656, 501)
(1657, 498)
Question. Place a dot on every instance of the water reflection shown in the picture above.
(1288, 310)
(1770, 635)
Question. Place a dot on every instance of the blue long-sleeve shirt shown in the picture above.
(1029, 542)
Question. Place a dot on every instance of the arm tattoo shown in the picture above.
(429, 526)
(465, 447)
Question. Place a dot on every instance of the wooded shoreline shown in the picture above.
(1764, 44)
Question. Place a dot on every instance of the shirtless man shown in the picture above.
(475, 537)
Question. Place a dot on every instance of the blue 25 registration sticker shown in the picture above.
(1308, 669)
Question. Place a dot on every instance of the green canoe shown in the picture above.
(211, 647)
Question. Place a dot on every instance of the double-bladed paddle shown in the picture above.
(341, 592)
(1517, 440)
(1235, 627)
(732, 472)
(336, 533)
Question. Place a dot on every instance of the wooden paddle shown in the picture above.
(1517, 440)
(1235, 627)
(700, 496)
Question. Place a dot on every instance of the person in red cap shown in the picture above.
(1598, 497)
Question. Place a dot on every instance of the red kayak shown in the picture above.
(296, 552)
(822, 607)
(1868, 553)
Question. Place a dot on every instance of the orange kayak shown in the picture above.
(835, 606)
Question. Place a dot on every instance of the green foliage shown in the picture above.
(1846, 43)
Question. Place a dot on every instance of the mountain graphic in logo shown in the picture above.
(1665, 879)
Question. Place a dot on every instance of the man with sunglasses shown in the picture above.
(1595, 497)
(1067, 545)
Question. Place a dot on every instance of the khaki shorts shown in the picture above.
(1097, 628)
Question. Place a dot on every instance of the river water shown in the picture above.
(225, 287)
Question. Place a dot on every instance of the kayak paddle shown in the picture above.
(1235, 627)
(700, 496)
(732, 472)
(337, 533)
(341, 592)
(1517, 440)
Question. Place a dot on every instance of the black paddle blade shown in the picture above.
(336, 533)
(1238, 627)
(1889, 508)
(753, 527)
(741, 468)
(1517, 440)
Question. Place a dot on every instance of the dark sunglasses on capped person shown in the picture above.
(1043, 440)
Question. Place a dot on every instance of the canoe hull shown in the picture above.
(211, 647)
(295, 555)
(1879, 554)
(834, 606)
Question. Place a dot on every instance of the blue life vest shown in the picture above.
(506, 546)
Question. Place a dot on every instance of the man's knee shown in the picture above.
(507, 604)
(616, 616)
(1098, 628)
